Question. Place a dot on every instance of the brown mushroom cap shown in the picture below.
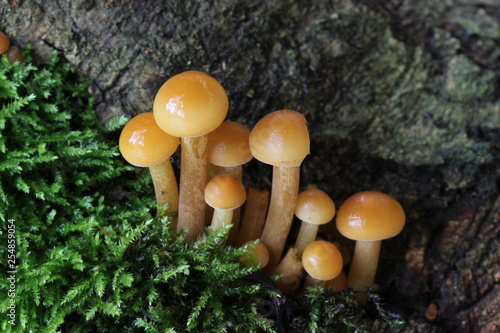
(259, 252)
(370, 216)
(144, 144)
(280, 138)
(228, 145)
(225, 192)
(322, 260)
(314, 206)
(4, 43)
(190, 104)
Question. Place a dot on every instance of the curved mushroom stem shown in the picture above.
(165, 185)
(291, 270)
(192, 186)
(254, 216)
(221, 218)
(236, 171)
(284, 194)
(307, 234)
(363, 267)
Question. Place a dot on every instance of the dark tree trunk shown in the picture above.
(400, 97)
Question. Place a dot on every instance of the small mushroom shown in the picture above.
(15, 55)
(338, 283)
(258, 255)
(368, 218)
(4, 43)
(189, 105)
(224, 193)
(280, 139)
(322, 261)
(142, 143)
(314, 207)
(291, 270)
(228, 147)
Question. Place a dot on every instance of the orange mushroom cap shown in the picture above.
(228, 145)
(144, 144)
(190, 104)
(370, 216)
(4, 43)
(14, 54)
(280, 138)
(322, 260)
(314, 206)
(259, 252)
(225, 192)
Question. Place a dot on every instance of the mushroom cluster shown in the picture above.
(189, 111)
(13, 52)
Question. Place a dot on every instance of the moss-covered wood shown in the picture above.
(401, 96)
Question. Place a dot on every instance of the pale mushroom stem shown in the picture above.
(221, 218)
(363, 267)
(166, 192)
(284, 194)
(307, 234)
(290, 269)
(254, 216)
(192, 186)
(236, 171)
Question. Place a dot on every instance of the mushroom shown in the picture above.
(258, 255)
(143, 144)
(190, 105)
(322, 261)
(280, 139)
(224, 193)
(228, 147)
(314, 207)
(368, 218)
(4, 43)
(14, 55)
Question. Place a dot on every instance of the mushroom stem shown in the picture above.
(363, 267)
(165, 186)
(193, 180)
(284, 194)
(307, 234)
(236, 171)
(290, 269)
(254, 216)
(221, 218)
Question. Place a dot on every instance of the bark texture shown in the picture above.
(401, 96)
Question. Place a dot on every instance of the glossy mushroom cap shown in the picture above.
(225, 192)
(322, 260)
(144, 144)
(190, 104)
(4, 43)
(14, 54)
(370, 216)
(314, 206)
(228, 145)
(280, 138)
(259, 253)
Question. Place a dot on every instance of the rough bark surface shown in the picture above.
(401, 96)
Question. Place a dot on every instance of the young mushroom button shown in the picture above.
(368, 218)
(314, 207)
(190, 105)
(144, 144)
(280, 139)
(322, 261)
(224, 193)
